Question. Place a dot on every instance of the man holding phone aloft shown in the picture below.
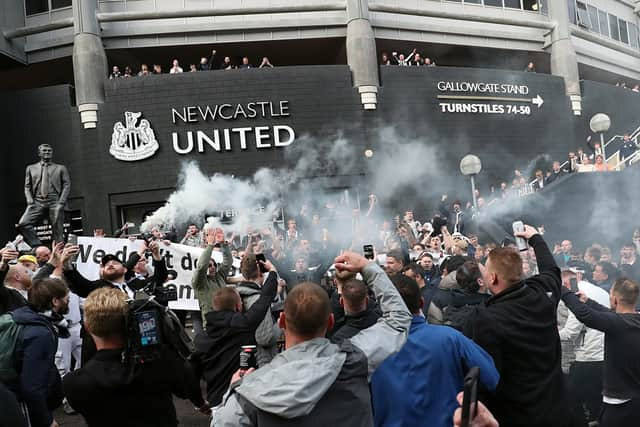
(217, 354)
(518, 328)
(208, 276)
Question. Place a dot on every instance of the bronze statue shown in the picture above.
(46, 188)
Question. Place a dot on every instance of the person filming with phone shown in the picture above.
(217, 354)
(518, 328)
(314, 382)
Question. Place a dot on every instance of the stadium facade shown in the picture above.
(124, 140)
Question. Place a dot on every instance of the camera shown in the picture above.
(161, 294)
(151, 327)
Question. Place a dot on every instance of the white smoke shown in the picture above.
(397, 164)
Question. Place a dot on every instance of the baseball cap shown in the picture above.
(28, 258)
(110, 257)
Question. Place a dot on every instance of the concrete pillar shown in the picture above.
(89, 61)
(564, 61)
(361, 53)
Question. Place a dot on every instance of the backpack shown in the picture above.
(10, 333)
(459, 317)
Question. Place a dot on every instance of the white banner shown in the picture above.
(180, 259)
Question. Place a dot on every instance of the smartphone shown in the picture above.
(260, 257)
(368, 251)
(72, 239)
(573, 283)
(470, 396)
(521, 242)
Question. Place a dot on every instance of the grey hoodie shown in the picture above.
(297, 380)
(268, 331)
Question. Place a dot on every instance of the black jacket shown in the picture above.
(621, 345)
(107, 392)
(293, 278)
(217, 354)
(352, 324)
(555, 176)
(82, 287)
(518, 328)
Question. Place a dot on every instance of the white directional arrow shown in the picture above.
(537, 101)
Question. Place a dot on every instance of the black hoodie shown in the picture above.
(217, 354)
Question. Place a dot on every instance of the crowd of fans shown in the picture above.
(338, 339)
(206, 64)
(577, 161)
(413, 59)
(634, 88)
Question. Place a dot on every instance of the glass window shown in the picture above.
(473, 1)
(593, 18)
(513, 4)
(572, 11)
(604, 24)
(624, 37)
(583, 15)
(57, 4)
(530, 5)
(497, 3)
(633, 35)
(543, 7)
(32, 7)
(613, 26)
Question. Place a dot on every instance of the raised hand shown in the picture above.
(351, 261)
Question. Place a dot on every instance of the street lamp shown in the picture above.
(470, 165)
(600, 123)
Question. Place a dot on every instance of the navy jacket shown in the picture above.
(39, 385)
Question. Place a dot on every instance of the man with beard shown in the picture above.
(37, 384)
(113, 276)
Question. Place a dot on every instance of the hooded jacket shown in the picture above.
(204, 285)
(39, 382)
(217, 354)
(317, 383)
(355, 323)
(268, 332)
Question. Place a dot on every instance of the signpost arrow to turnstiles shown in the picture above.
(537, 101)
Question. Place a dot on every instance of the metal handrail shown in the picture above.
(630, 159)
(561, 166)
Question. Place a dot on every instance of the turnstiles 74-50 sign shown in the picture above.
(486, 98)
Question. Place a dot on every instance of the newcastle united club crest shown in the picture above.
(133, 141)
